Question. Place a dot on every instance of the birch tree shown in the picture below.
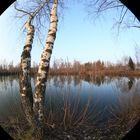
(44, 62)
(25, 65)
(25, 73)
(33, 105)
(46, 54)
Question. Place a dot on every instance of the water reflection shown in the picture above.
(130, 82)
(70, 102)
(76, 80)
(98, 80)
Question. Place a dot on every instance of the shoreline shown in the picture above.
(98, 73)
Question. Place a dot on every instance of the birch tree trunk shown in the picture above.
(25, 74)
(25, 65)
(36, 131)
(44, 63)
(25, 86)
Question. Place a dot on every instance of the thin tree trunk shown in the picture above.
(44, 63)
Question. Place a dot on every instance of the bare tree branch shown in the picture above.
(122, 16)
(99, 6)
(21, 10)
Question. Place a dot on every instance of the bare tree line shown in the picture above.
(63, 67)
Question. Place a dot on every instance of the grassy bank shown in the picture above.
(66, 120)
(108, 72)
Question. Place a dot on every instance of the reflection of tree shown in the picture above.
(62, 80)
(3, 81)
(76, 80)
(122, 85)
(87, 78)
(108, 80)
(11, 80)
(69, 80)
(102, 79)
(56, 81)
(136, 86)
(6, 80)
(130, 82)
(126, 112)
(97, 80)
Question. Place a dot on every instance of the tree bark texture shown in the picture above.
(37, 130)
(25, 65)
(27, 104)
(45, 58)
(39, 94)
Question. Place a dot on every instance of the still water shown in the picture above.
(104, 97)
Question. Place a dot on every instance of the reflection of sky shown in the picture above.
(105, 95)
(9, 98)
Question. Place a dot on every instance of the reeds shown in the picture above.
(67, 110)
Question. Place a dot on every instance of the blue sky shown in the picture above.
(79, 37)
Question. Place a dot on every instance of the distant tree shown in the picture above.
(88, 66)
(131, 64)
(76, 65)
(98, 64)
(124, 60)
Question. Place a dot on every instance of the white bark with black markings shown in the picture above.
(46, 55)
(25, 65)
(40, 86)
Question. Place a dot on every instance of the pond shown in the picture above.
(75, 102)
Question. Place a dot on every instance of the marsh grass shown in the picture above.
(70, 114)
(126, 115)
(68, 111)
